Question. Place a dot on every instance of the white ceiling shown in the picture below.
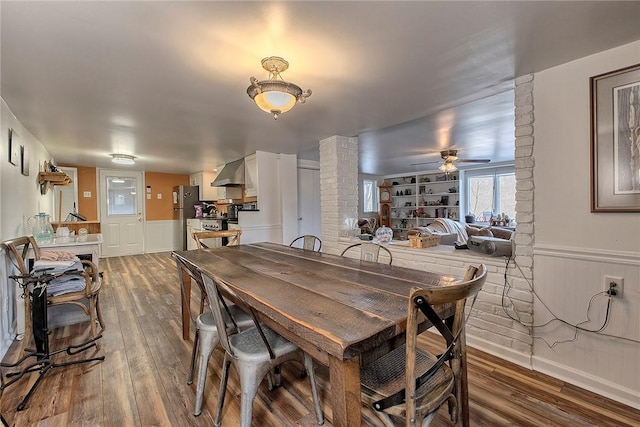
(166, 81)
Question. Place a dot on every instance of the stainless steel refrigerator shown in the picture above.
(184, 197)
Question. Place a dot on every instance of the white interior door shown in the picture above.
(121, 212)
(309, 215)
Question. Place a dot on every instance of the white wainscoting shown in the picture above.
(567, 279)
(162, 236)
(8, 302)
(262, 233)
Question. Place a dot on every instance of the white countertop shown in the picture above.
(89, 239)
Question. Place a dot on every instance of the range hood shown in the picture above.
(231, 175)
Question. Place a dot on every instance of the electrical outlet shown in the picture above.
(613, 286)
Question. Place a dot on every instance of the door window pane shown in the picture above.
(121, 196)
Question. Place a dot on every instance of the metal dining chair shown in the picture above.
(308, 242)
(206, 335)
(369, 251)
(411, 383)
(254, 352)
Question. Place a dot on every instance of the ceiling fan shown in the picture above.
(450, 157)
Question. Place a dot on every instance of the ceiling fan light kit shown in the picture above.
(449, 157)
(275, 95)
(448, 167)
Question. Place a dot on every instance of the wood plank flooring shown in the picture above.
(142, 381)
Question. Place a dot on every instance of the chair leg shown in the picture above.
(209, 339)
(250, 378)
(194, 351)
(99, 312)
(308, 364)
(224, 377)
(92, 318)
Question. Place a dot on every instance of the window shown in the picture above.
(121, 196)
(370, 196)
(490, 192)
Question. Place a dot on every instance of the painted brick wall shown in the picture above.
(338, 188)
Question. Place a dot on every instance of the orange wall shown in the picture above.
(87, 206)
(157, 209)
(161, 183)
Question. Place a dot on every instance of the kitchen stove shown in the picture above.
(212, 224)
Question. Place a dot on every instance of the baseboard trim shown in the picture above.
(506, 353)
(589, 382)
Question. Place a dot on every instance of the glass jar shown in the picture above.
(384, 234)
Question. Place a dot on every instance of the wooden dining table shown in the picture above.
(341, 311)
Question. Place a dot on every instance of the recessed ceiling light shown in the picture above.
(123, 159)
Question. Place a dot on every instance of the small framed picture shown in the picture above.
(14, 147)
(24, 160)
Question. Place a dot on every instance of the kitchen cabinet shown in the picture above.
(203, 181)
(193, 225)
(230, 193)
(251, 176)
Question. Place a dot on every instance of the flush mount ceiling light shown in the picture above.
(274, 95)
(123, 159)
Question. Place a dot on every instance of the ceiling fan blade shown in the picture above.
(424, 163)
(473, 160)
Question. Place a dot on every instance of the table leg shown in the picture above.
(185, 290)
(344, 376)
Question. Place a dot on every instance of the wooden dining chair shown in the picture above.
(21, 249)
(255, 352)
(233, 237)
(411, 383)
(369, 251)
(309, 242)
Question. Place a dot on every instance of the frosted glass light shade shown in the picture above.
(275, 101)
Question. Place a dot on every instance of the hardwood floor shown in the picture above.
(142, 381)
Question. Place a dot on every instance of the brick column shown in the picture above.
(522, 278)
(338, 187)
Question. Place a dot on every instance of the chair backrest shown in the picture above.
(232, 235)
(420, 301)
(215, 303)
(308, 242)
(18, 250)
(369, 251)
(216, 293)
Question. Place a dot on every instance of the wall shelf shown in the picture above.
(47, 179)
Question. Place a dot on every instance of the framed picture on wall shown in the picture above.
(24, 160)
(14, 147)
(615, 141)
